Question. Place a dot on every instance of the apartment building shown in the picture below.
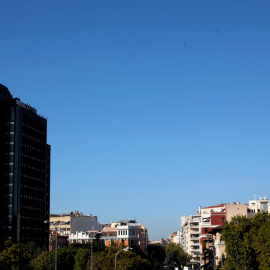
(175, 237)
(130, 233)
(190, 235)
(202, 232)
(196, 229)
(217, 246)
(75, 221)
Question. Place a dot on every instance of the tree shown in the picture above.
(260, 233)
(176, 256)
(240, 254)
(81, 258)
(105, 260)
(98, 245)
(46, 260)
(157, 254)
(247, 242)
(14, 256)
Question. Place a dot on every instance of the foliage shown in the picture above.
(77, 257)
(247, 242)
(14, 256)
(98, 245)
(238, 244)
(157, 254)
(46, 260)
(81, 258)
(126, 260)
(176, 256)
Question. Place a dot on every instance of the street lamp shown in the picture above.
(124, 249)
(56, 225)
(92, 237)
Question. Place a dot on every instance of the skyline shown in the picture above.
(154, 109)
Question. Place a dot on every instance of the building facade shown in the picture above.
(195, 235)
(201, 234)
(75, 222)
(129, 233)
(62, 240)
(175, 237)
(24, 172)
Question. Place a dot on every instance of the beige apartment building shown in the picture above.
(74, 221)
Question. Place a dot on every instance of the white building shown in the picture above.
(129, 233)
(190, 236)
(258, 205)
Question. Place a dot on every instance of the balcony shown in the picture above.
(206, 223)
(195, 250)
(195, 220)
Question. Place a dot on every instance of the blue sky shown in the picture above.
(154, 107)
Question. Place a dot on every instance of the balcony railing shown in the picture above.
(195, 245)
(194, 249)
(195, 238)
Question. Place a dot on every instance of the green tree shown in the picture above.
(238, 242)
(105, 260)
(260, 233)
(65, 259)
(98, 245)
(14, 256)
(81, 258)
(176, 256)
(247, 242)
(156, 254)
(44, 261)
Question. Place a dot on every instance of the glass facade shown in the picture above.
(24, 173)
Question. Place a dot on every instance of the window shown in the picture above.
(223, 219)
(206, 229)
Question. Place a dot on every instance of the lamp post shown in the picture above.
(125, 249)
(56, 225)
(92, 237)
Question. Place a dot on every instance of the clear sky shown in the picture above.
(154, 107)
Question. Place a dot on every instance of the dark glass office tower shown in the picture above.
(24, 172)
